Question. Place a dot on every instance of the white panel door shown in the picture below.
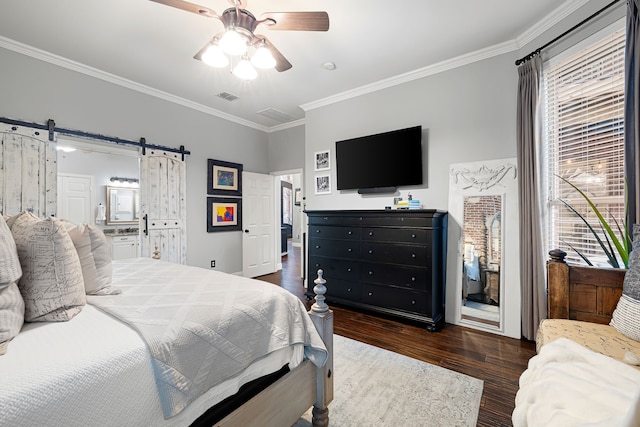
(75, 198)
(163, 207)
(258, 225)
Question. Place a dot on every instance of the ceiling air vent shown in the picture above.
(278, 116)
(227, 96)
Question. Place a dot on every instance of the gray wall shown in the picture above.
(467, 114)
(286, 149)
(35, 91)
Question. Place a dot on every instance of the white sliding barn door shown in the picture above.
(258, 225)
(163, 206)
(28, 168)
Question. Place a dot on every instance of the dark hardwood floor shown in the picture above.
(496, 360)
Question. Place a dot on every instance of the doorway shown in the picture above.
(291, 213)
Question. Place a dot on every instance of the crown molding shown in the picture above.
(546, 23)
(430, 70)
(60, 61)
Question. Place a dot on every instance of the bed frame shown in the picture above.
(588, 294)
(283, 402)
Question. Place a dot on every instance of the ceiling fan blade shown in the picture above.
(282, 64)
(189, 7)
(296, 21)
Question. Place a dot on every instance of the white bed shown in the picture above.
(96, 370)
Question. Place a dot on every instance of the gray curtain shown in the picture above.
(532, 259)
(632, 113)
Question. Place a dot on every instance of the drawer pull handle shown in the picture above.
(371, 233)
(413, 236)
(317, 231)
(349, 250)
(348, 270)
(317, 246)
(350, 233)
(413, 279)
(413, 302)
(413, 255)
(370, 251)
(370, 293)
(371, 273)
(348, 289)
(317, 265)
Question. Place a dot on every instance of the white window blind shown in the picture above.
(584, 127)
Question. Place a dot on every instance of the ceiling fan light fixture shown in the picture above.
(233, 43)
(215, 57)
(245, 70)
(263, 58)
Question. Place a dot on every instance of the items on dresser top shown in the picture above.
(389, 261)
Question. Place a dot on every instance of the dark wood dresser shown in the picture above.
(388, 261)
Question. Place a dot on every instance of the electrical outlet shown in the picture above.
(213, 263)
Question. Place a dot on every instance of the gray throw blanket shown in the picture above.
(203, 327)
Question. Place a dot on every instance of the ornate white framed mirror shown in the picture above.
(483, 274)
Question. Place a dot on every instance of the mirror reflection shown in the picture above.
(482, 255)
(122, 205)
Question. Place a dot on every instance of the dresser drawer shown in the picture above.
(406, 277)
(335, 220)
(335, 268)
(344, 289)
(334, 248)
(403, 235)
(414, 302)
(395, 254)
(399, 220)
(334, 232)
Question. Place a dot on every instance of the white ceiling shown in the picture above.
(374, 43)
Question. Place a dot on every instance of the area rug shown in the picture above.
(376, 387)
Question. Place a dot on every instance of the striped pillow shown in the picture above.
(626, 316)
(11, 303)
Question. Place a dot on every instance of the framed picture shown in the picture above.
(224, 214)
(323, 184)
(321, 159)
(297, 198)
(224, 178)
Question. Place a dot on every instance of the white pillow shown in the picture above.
(11, 303)
(626, 316)
(95, 258)
(51, 285)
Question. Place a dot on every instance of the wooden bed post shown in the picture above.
(322, 318)
(558, 285)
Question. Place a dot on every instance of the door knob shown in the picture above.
(246, 231)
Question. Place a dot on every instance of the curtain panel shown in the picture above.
(632, 113)
(532, 260)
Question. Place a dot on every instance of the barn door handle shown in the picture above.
(146, 225)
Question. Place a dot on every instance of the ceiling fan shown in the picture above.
(239, 34)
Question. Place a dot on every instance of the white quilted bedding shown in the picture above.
(96, 370)
(568, 385)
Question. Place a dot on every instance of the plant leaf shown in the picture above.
(621, 250)
(579, 253)
(612, 259)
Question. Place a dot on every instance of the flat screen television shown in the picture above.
(380, 162)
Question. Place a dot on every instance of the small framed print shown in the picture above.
(323, 184)
(224, 214)
(224, 178)
(321, 159)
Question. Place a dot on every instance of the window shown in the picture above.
(584, 134)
